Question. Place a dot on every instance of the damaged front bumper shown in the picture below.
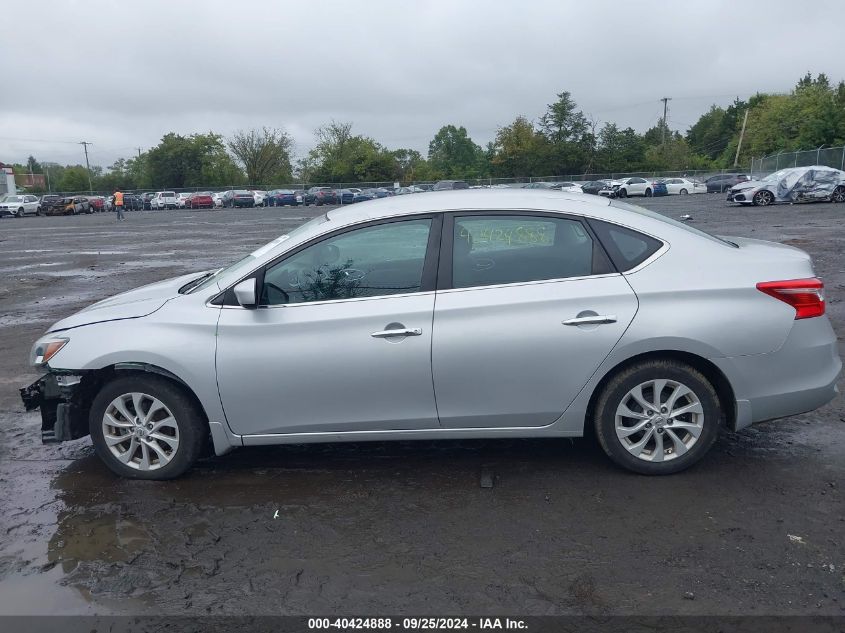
(64, 400)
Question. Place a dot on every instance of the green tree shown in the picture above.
(189, 161)
(265, 154)
(74, 179)
(518, 150)
(569, 133)
(620, 150)
(453, 154)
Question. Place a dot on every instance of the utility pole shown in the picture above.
(139, 151)
(665, 101)
(741, 135)
(85, 144)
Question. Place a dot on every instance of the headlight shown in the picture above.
(43, 351)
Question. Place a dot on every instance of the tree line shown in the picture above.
(562, 140)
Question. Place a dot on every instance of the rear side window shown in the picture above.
(501, 249)
(627, 248)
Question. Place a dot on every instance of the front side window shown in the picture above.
(500, 249)
(373, 261)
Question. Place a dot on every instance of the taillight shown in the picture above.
(805, 295)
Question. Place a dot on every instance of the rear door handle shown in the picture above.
(593, 319)
(409, 331)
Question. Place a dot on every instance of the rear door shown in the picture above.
(527, 308)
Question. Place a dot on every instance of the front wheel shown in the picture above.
(763, 198)
(658, 417)
(146, 427)
(683, 192)
(20, 213)
(838, 194)
(622, 193)
(648, 193)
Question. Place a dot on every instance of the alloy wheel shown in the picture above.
(763, 198)
(839, 194)
(659, 420)
(140, 431)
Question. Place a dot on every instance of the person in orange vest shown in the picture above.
(118, 205)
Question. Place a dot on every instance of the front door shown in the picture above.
(532, 310)
(341, 341)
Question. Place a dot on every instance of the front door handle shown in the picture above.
(408, 331)
(593, 319)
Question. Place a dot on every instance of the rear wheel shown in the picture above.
(838, 194)
(648, 193)
(657, 417)
(683, 192)
(146, 427)
(763, 198)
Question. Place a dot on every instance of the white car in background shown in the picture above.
(218, 198)
(20, 205)
(634, 186)
(164, 200)
(182, 199)
(260, 197)
(683, 186)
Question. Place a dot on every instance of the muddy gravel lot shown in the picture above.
(757, 527)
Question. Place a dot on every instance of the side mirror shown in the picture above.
(245, 293)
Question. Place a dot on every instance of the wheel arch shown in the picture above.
(221, 438)
(720, 382)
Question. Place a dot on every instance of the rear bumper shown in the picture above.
(64, 402)
(799, 377)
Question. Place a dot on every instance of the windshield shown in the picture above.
(12, 199)
(244, 264)
(657, 216)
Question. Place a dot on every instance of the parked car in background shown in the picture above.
(636, 186)
(599, 328)
(19, 205)
(445, 185)
(722, 182)
(283, 198)
(683, 186)
(597, 188)
(147, 199)
(218, 198)
(320, 195)
(570, 187)
(365, 195)
(259, 197)
(238, 198)
(403, 191)
(97, 203)
(132, 202)
(200, 200)
(164, 200)
(71, 205)
(346, 196)
(795, 184)
(48, 201)
(182, 199)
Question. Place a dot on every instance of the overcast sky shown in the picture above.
(122, 74)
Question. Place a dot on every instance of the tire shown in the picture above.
(763, 198)
(838, 194)
(648, 193)
(622, 193)
(683, 192)
(20, 213)
(188, 428)
(39, 211)
(623, 450)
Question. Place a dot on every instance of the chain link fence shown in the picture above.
(695, 175)
(827, 156)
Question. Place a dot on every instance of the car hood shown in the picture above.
(748, 184)
(134, 304)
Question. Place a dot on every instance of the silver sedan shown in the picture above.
(468, 314)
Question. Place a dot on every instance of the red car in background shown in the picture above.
(97, 204)
(200, 200)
